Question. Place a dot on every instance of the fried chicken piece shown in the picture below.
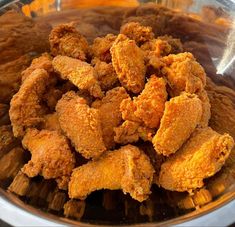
(110, 114)
(66, 40)
(51, 97)
(4, 114)
(149, 105)
(128, 169)
(79, 73)
(181, 116)
(176, 45)
(183, 73)
(137, 32)
(105, 74)
(51, 156)
(200, 157)
(128, 62)
(26, 109)
(51, 122)
(81, 124)
(130, 132)
(101, 47)
(42, 62)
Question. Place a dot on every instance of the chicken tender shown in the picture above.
(181, 116)
(128, 169)
(80, 73)
(128, 62)
(106, 75)
(42, 62)
(81, 124)
(26, 109)
(200, 157)
(183, 73)
(51, 156)
(149, 105)
(101, 47)
(130, 132)
(66, 40)
(137, 32)
(110, 114)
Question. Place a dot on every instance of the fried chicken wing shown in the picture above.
(79, 73)
(81, 124)
(66, 40)
(51, 156)
(128, 169)
(110, 114)
(26, 109)
(101, 47)
(183, 73)
(130, 132)
(137, 32)
(128, 62)
(200, 157)
(181, 116)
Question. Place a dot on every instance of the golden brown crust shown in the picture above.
(81, 124)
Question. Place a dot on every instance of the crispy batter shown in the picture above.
(106, 75)
(128, 62)
(42, 62)
(101, 47)
(51, 156)
(81, 124)
(148, 107)
(110, 114)
(66, 40)
(51, 122)
(51, 97)
(176, 45)
(128, 169)
(79, 73)
(130, 132)
(181, 116)
(137, 32)
(200, 157)
(183, 73)
(26, 109)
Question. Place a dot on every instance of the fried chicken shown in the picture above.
(105, 74)
(128, 62)
(130, 132)
(81, 124)
(4, 114)
(128, 169)
(183, 73)
(181, 116)
(137, 32)
(52, 96)
(66, 40)
(176, 45)
(148, 107)
(200, 157)
(79, 73)
(51, 156)
(51, 122)
(101, 47)
(26, 109)
(110, 114)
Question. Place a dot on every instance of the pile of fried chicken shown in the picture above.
(103, 100)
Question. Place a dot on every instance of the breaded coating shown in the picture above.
(51, 156)
(81, 124)
(176, 45)
(42, 62)
(51, 122)
(200, 157)
(106, 75)
(80, 73)
(128, 169)
(130, 132)
(66, 40)
(101, 47)
(137, 32)
(110, 114)
(181, 116)
(26, 109)
(183, 73)
(149, 105)
(128, 62)
(52, 96)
